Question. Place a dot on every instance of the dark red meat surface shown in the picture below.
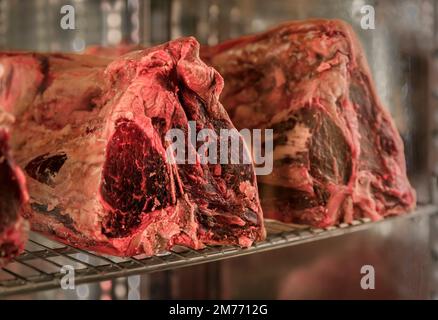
(90, 135)
(13, 196)
(337, 153)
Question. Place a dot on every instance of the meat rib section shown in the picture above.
(337, 153)
(92, 143)
(13, 195)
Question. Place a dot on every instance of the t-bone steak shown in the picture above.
(90, 135)
(337, 153)
(13, 195)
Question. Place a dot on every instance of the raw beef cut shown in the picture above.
(337, 153)
(90, 135)
(13, 195)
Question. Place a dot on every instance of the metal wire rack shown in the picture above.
(39, 267)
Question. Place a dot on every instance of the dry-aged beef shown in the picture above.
(90, 135)
(13, 195)
(337, 153)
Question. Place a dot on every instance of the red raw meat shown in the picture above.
(90, 136)
(13, 195)
(337, 153)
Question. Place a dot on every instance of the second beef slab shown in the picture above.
(337, 153)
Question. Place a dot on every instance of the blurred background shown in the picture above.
(402, 52)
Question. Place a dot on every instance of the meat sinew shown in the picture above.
(337, 153)
(13, 228)
(90, 136)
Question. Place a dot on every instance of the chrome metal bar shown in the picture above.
(66, 256)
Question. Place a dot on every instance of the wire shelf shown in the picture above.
(39, 267)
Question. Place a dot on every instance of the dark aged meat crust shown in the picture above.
(90, 136)
(13, 196)
(337, 155)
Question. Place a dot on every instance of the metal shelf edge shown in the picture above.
(274, 241)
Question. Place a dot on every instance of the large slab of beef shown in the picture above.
(338, 154)
(13, 196)
(90, 135)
